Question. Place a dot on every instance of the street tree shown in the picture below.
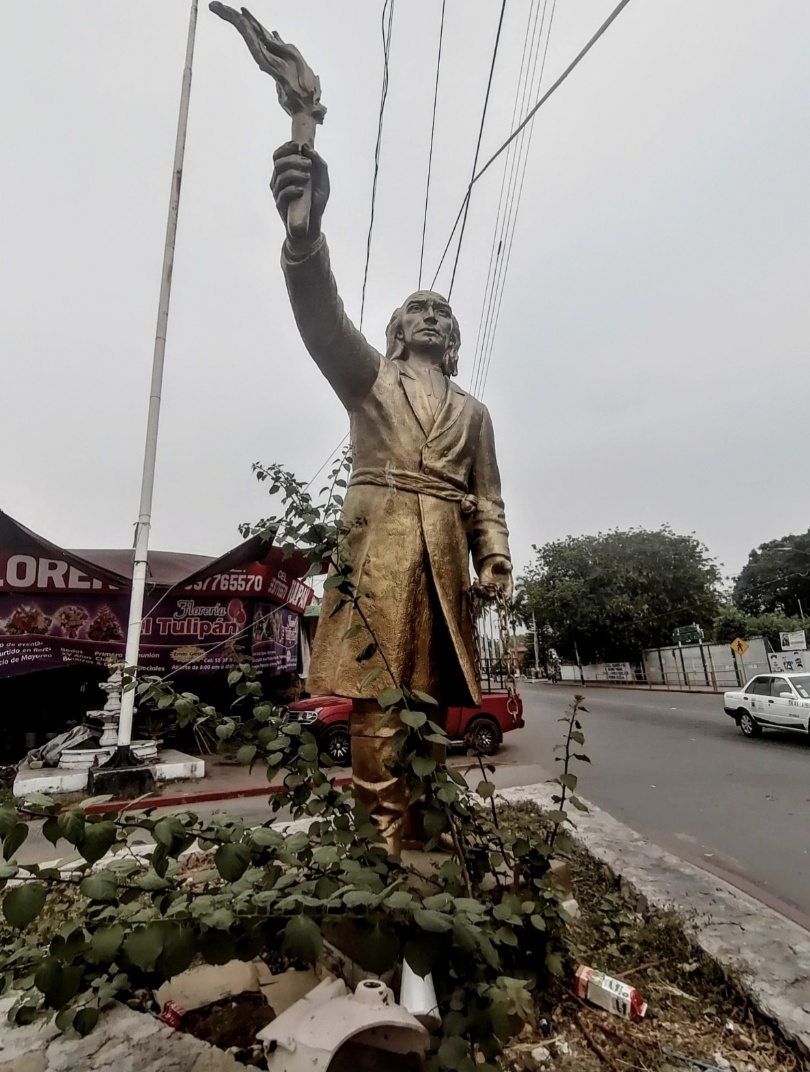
(610, 595)
(776, 578)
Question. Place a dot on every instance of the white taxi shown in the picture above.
(771, 701)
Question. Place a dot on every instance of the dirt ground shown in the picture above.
(697, 1018)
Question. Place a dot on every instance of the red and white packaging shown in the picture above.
(172, 1014)
(609, 993)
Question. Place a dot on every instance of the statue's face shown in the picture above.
(427, 323)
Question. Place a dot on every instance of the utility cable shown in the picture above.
(504, 265)
(430, 153)
(478, 143)
(387, 14)
(554, 87)
(525, 81)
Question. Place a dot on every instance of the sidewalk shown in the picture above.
(225, 779)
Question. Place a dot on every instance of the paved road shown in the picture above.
(676, 769)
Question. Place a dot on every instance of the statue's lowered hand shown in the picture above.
(496, 573)
(294, 169)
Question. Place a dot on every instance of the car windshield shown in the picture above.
(802, 685)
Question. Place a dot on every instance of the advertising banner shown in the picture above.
(189, 632)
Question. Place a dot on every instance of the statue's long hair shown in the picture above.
(395, 344)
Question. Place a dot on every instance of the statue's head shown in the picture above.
(425, 324)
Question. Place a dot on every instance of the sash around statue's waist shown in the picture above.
(416, 484)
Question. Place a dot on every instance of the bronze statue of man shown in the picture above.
(423, 497)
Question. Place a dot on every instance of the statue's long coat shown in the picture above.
(410, 551)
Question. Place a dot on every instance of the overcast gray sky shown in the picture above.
(650, 363)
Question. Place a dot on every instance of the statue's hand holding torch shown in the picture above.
(300, 181)
(300, 176)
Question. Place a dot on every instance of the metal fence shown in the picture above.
(713, 667)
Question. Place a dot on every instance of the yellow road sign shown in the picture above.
(739, 646)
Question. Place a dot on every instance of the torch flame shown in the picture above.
(299, 89)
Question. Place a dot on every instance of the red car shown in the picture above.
(481, 728)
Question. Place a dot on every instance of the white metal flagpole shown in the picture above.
(123, 755)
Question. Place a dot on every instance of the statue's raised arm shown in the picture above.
(300, 186)
(340, 351)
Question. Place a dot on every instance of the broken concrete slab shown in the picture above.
(208, 983)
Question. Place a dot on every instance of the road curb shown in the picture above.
(622, 687)
(205, 797)
(768, 954)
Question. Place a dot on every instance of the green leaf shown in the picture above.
(485, 789)
(578, 804)
(388, 697)
(367, 653)
(24, 903)
(65, 1017)
(14, 839)
(144, 946)
(232, 860)
(97, 840)
(92, 802)
(371, 677)
(556, 816)
(106, 942)
(8, 819)
(101, 886)
(246, 753)
(453, 1051)
(433, 922)
(422, 766)
(86, 1019)
(303, 939)
(415, 719)
(568, 780)
(398, 900)
(539, 922)
(423, 696)
(578, 736)
(421, 953)
(71, 826)
(58, 983)
(379, 949)
(40, 800)
(352, 631)
(179, 949)
(357, 898)
(554, 963)
(48, 978)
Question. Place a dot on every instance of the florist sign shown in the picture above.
(38, 573)
(42, 632)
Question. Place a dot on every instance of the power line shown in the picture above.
(329, 457)
(504, 266)
(478, 143)
(430, 153)
(388, 9)
(531, 48)
(556, 85)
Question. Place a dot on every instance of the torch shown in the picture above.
(299, 93)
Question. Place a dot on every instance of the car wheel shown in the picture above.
(337, 744)
(749, 726)
(483, 736)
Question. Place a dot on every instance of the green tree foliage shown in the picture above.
(776, 578)
(618, 592)
(731, 623)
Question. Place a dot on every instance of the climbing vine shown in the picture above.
(486, 919)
